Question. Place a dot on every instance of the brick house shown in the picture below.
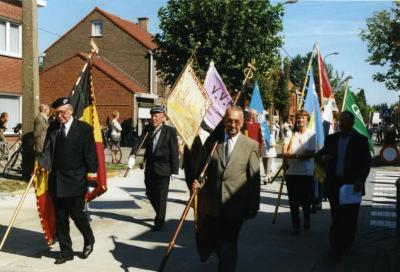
(124, 46)
(11, 60)
(112, 86)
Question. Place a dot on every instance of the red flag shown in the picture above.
(325, 85)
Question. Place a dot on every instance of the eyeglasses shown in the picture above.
(61, 112)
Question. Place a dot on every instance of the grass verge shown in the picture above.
(11, 186)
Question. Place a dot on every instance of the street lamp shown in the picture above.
(333, 53)
(290, 2)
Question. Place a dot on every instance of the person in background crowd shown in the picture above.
(40, 126)
(3, 125)
(253, 129)
(276, 128)
(390, 132)
(298, 153)
(115, 134)
(268, 158)
(380, 132)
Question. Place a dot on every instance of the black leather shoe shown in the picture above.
(63, 259)
(87, 250)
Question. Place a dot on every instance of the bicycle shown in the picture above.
(109, 148)
(17, 155)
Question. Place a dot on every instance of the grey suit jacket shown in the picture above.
(39, 131)
(233, 189)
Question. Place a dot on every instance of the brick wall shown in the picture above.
(110, 95)
(10, 75)
(11, 9)
(115, 45)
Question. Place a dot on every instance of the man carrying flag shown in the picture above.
(70, 154)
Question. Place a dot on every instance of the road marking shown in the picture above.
(383, 206)
(383, 223)
(383, 214)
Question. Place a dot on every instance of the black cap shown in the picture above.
(60, 102)
(156, 109)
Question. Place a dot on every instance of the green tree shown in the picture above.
(383, 40)
(231, 32)
(298, 67)
(362, 105)
(281, 96)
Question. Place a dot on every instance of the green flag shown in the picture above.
(350, 105)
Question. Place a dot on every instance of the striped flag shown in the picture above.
(44, 204)
(84, 104)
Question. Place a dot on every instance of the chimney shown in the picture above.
(144, 23)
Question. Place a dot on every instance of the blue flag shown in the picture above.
(311, 105)
(256, 103)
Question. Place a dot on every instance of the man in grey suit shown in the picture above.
(231, 192)
(40, 127)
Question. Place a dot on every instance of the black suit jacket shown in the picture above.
(68, 176)
(356, 165)
(164, 161)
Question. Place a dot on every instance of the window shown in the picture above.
(10, 39)
(97, 28)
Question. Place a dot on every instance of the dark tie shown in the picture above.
(59, 145)
(61, 135)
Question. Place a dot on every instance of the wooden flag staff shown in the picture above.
(248, 75)
(17, 211)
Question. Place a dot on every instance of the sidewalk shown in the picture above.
(122, 220)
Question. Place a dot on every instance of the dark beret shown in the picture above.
(60, 102)
(157, 109)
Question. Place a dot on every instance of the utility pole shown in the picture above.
(30, 83)
(30, 65)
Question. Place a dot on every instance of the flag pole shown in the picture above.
(94, 50)
(305, 79)
(345, 95)
(17, 211)
(248, 75)
(321, 92)
(188, 62)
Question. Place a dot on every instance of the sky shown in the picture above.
(334, 24)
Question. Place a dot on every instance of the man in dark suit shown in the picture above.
(347, 161)
(161, 160)
(231, 192)
(69, 154)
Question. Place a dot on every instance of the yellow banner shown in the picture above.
(187, 104)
